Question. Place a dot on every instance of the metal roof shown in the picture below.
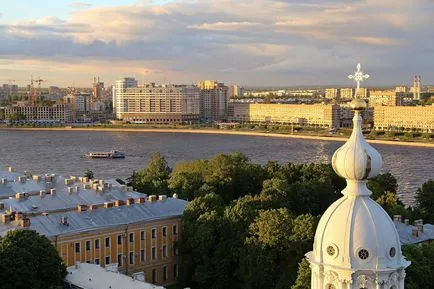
(406, 236)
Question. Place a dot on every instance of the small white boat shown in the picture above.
(106, 155)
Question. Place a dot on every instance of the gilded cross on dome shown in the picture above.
(358, 76)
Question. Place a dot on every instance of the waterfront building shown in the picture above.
(331, 93)
(120, 87)
(356, 243)
(96, 221)
(61, 113)
(151, 103)
(346, 93)
(80, 102)
(420, 118)
(385, 98)
(214, 98)
(300, 114)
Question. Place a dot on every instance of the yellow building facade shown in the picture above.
(301, 114)
(419, 118)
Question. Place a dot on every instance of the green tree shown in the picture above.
(154, 178)
(28, 260)
(88, 174)
(187, 179)
(303, 280)
(381, 184)
(420, 274)
(425, 201)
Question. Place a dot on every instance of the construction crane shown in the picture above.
(35, 92)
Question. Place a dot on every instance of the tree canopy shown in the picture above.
(28, 260)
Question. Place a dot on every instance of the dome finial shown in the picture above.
(356, 160)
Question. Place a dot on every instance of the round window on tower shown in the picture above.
(363, 254)
(392, 252)
(331, 251)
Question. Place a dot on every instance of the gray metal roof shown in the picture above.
(50, 225)
(406, 233)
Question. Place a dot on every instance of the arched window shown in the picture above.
(330, 286)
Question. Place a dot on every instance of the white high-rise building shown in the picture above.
(120, 87)
(356, 243)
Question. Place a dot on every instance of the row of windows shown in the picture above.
(130, 238)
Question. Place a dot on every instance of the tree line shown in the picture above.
(248, 225)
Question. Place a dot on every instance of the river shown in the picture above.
(62, 152)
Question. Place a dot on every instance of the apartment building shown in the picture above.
(300, 114)
(385, 98)
(213, 100)
(153, 103)
(420, 118)
(96, 221)
(331, 93)
(56, 113)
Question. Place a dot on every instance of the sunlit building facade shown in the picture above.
(420, 118)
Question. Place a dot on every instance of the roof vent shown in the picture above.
(34, 207)
(64, 220)
(45, 214)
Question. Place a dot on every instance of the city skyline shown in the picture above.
(265, 43)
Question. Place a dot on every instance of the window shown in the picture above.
(164, 231)
(119, 260)
(87, 245)
(154, 233)
(363, 254)
(77, 247)
(119, 239)
(142, 235)
(165, 273)
(392, 252)
(97, 261)
(175, 249)
(97, 244)
(331, 250)
(107, 260)
(142, 256)
(154, 253)
(131, 237)
(131, 258)
(107, 242)
(175, 270)
(175, 230)
(154, 275)
(164, 251)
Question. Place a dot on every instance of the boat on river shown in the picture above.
(106, 155)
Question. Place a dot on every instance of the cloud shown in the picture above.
(80, 5)
(252, 42)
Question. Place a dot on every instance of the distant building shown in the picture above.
(61, 113)
(385, 98)
(346, 93)
(96, 221)
(417, 87)
(120, 87)
(401, 89)
(97, 90)
(153, 103)
(300, 114)
(420, 233)
(237, 91)
(79, 102)
(419, 118)
(331, 93)
(213, 100)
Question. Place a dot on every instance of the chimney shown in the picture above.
(407, 222)
(11, 169)
(2, 205)
(123, 188)
(162, 198)
(152, 198)
(130, 201)
(415, 232)
(53, 192)
(6, 218)
(397, 218)
(81, 208)
(419, 225)
(24, 222)
(19, 196)
(21, 179)
(76, 189)
(92, 207)
(140, 200)
(108, 204)
(70, 190)
(37, 178)
(175, 196)
(4, 181)
(119, 203)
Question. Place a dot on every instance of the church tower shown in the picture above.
(356, 243)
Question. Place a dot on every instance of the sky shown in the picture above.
(245, 42)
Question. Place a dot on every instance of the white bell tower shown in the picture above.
(356, 243)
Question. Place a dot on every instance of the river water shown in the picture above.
(63, 153)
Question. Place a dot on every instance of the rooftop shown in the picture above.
(89, 276)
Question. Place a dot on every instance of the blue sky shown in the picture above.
(260, 42)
